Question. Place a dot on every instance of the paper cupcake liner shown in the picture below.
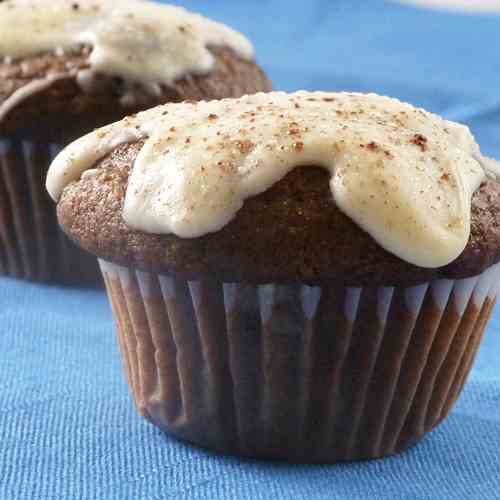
(31, 244)
(293, 372)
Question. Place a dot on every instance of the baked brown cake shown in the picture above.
(292, 232)
(52, 91)
(301, 276)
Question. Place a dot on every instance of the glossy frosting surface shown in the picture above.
(404, 175)
(142, 42)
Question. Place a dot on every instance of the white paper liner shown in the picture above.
(31, 244)
(299, 373)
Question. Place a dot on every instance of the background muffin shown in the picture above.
(269, 308)
(78, 66)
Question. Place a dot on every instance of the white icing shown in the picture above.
(143, 42)
(404, 175)
(25, 92)
(490, 165)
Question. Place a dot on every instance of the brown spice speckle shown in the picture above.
(420, 141)
(245, 146)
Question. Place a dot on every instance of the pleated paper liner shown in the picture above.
(31, 244)
(297, 373)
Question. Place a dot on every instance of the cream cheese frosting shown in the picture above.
(140, 41)
(402, 174)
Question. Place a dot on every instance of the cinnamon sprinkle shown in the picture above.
(420, 141)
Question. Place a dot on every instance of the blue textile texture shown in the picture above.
(68, 429)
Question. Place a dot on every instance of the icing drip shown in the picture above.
(404, 175)
(27, 91)
(140, 41)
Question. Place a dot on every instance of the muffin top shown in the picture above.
(135, 48)
(284, 187)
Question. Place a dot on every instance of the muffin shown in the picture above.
(303, 277)
(79, 65)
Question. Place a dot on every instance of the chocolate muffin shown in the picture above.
(304, 277)
(79, 65)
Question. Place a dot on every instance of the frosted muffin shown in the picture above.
(68, 67)
(304, 277)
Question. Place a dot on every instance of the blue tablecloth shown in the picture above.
(68, 429)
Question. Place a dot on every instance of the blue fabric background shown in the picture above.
(68, 429)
